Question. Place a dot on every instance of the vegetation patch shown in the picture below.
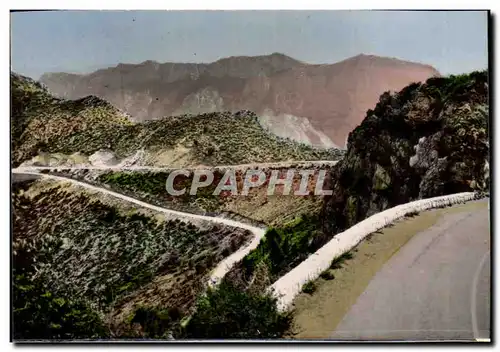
(327, 275)
(151, 186)
(95, 256)
(257, 208)
(40, 313)
(281, 249)
(230, 313)
(338, 262)
(309, 287)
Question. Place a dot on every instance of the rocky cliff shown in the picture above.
(426, 140)
(327, 101)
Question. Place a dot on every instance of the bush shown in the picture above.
(309, 287)
(284, 247)
(156, 323)
(337, 262)
(327, 275)
(227, 312)
(40, 313)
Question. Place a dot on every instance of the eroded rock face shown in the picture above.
(427, 140)
(44, 124)
(204, 100)
(295, 128)
(103, 157)
(57, 159)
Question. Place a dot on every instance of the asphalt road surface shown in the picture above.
(436, 287)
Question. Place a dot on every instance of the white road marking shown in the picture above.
(483, 340)
(473, 306)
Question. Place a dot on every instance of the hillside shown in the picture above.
(315, 104)
(57, 131)
(78, 256)
(43, 123)
(427, 140)
(257, 208)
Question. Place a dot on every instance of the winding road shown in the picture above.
(220, 270)
(30, 172)
(119, 167)
(436, 287)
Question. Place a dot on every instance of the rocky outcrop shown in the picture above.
(103, 158)
(295, 128)
(427, 140)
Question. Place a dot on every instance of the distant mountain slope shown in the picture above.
(44, 124)
(333, 97)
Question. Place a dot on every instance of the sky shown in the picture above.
(83, 41)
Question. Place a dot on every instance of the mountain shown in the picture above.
(427, 140)
(57, 131)
(314, 104)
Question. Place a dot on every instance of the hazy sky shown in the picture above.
(80, 41)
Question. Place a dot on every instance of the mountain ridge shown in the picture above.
(332, 97)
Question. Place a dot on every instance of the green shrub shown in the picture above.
(309, 287)
(227, 312)
(284, 247)
(337, 262)
(40, 314)
(327, 275)
(156, 323)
